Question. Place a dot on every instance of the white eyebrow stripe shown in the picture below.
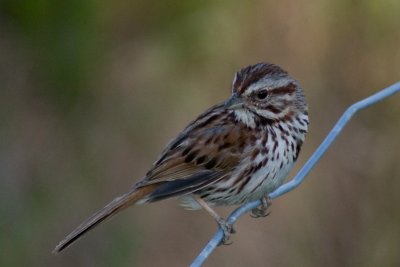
(267, 83)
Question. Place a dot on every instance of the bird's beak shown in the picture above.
(234, 102)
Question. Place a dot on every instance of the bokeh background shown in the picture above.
(90, 92)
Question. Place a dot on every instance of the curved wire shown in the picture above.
(307, 167)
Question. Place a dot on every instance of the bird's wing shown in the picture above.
(206, 151)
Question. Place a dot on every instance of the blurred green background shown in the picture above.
(92, 90)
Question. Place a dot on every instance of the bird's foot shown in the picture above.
(228, 229)
(262, 210)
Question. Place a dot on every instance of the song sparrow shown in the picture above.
(235, 152)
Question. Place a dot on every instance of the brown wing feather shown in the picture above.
(198, 149)
(201, 155)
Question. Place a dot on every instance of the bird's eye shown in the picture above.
(262, 94)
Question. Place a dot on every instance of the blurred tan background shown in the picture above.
(91, 91)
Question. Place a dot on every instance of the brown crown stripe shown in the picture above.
(251, 74)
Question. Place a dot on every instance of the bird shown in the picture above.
(237, 151)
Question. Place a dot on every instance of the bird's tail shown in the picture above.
(115, 206)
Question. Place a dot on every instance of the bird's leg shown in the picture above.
(262, 210)
(226, 227)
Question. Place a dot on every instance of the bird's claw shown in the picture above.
(228, 229)
(259, 212)
(262, 210)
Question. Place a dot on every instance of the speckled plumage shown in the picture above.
(236, 151)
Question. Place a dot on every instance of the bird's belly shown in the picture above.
(264, 181)
(253, 178)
